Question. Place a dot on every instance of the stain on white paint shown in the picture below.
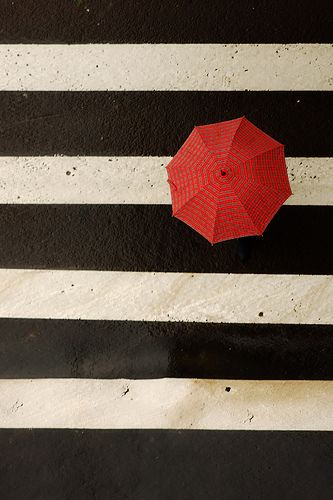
(167, 403)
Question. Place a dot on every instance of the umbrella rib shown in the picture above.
(254, 183)
(190, 199)
(204, 186)
(215, 219)
(240, 201)
(269, 186)
(265, 151)
(232, 140)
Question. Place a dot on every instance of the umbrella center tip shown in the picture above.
(223, 172)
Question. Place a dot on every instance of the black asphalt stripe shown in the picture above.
(147, 238)
(148, 21)
(156, 123)
(34, 348)
(163, 464)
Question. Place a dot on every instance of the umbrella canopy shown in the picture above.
(228, 180)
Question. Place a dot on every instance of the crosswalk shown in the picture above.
(166, 67)
(168, 403)
(128, 123)
(143, 296)
(131, 180)
(137, 361)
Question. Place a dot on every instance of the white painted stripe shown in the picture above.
(200, 297)
(166, 404)
(137, 180)
(166, 67)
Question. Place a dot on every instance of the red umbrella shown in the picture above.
(228, 180)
